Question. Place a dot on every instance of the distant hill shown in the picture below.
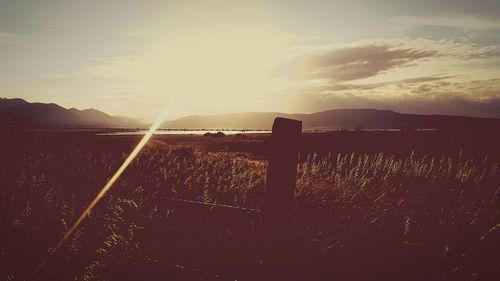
(335, 119)
(18, 113)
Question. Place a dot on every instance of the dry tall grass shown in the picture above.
(362, 215)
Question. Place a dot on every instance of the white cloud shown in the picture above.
(8, 38)
(464, 22)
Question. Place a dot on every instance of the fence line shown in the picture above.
(213, 205)
(279, 197)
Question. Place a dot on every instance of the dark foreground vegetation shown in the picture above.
(369, 206)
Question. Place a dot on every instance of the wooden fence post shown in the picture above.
(281, 182)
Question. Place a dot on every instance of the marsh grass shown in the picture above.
(357, 215)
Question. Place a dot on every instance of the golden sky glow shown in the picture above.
(207, 57)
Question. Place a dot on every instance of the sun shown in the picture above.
(215, 57)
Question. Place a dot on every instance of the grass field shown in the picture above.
(381, 212)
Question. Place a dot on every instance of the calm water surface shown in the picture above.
(183, 132)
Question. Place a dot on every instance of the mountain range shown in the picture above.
(18, 113)
(335, 119)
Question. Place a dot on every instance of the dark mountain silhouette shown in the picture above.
(18, 113)
(336, 119)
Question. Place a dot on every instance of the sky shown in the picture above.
(134, 58)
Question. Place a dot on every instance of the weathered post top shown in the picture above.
(288, 128)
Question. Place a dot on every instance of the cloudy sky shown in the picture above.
(206, 57)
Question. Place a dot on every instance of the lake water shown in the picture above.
(182, 132)
(230, 132)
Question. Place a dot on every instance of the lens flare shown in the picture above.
(105, 189)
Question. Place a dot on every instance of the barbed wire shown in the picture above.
(214, 205)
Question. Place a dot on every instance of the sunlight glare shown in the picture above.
(106, 187)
